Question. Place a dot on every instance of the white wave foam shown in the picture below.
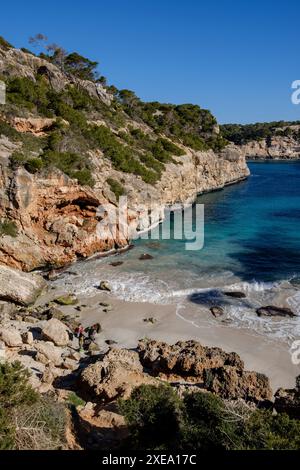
(254, 286)
(294, 302)
(141, 287)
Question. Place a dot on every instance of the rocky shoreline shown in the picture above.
(41, 336)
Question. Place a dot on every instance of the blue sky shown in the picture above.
(236, 58)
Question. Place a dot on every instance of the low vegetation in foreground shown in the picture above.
(28, 420)
(156, 416)
(159, 419)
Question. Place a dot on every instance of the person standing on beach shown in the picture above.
(81, 341)
(79, 332)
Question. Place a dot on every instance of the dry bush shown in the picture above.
(40, 427)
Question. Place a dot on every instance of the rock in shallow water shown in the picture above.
(145, 256)
(235, 294)
(271, 311)
(217, 311)
(104, 285)
(116, 263)
(66, 300)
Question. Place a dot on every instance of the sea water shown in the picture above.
(251, 244)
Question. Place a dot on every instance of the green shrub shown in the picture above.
(7, 433)
(14, 387)
(75, 117)
(8, 227)
(27, 421)
(17, 160)
(23, 92)
(205, 427)
(27, 51)
(122, 157)
(154, 416)
(171, 148)
(116, 187)
(159, 419)
(84, 177)
(8, 131)
(72, 164)
(33, 165)
(195, 142)
(80, 98)
(75, 400)
(151, 162)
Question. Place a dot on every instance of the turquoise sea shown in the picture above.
(252, 243)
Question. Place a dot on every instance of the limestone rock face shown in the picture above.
(217, 371)
(186, 358)
(58, 220)
(14, 62)
(232, 383)
(36, 126)
(288, 401)
(11, 337)
(18, 287)
(56, 331)
(114, 376)
(279, 147)
(7, 148)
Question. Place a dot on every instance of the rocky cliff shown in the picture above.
(275, 148)
(266, 141)
(48, 215)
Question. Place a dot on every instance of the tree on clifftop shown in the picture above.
(81, 67)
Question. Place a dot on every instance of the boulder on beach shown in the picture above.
(116, 263)
(271, 311)
(66, 300)
(56, 331)
(19, 287)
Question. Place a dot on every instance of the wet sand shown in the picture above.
(125, 325)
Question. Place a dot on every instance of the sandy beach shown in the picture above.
(124, 324)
